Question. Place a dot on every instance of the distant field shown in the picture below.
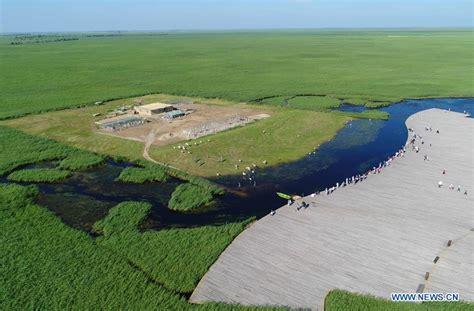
(360, 65)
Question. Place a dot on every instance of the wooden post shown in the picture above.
(420, 288)
(450, 242)
(436, 259)
(427, 275)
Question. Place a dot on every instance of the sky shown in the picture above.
(159, 15)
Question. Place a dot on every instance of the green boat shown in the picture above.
(284, 195)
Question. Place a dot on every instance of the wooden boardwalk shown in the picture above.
(376, 237)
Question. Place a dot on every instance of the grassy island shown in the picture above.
(48, 175)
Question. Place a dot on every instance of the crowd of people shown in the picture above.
(362, 177)
(414, 143)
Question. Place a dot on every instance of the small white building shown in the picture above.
(151, 109)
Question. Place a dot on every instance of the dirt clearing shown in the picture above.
(202, 120)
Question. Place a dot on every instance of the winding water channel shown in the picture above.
(361, 144)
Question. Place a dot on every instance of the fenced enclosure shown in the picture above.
(214, 127)
(119, 124)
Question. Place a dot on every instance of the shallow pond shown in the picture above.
(361, 144)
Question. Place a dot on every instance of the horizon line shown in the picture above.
(203, 30)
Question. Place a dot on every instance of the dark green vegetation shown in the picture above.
(175, 258)
(305, 102)
(379, 104)
(140, 175)
(313, 102)
(324, 103)
(196, 193)
(40, 38)
(339, 300)
(187, 197)
(18, 148)
(237, 66)
(51, 266)
(47, 175)
(79, 161)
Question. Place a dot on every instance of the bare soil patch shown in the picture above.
(209, 118)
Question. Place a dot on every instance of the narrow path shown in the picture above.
(149, 140)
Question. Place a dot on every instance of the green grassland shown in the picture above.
(18, 148)
(284, 69)
(287, 135)
(339, 300)
(175, 258)
(376, 65)
(188, 197)
(328, 104)
(313, 102)
(48, 175)
(79, 160)
(75, 127)
(140, 175)
(50, 266)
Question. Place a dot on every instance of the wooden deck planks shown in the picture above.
(376, 237)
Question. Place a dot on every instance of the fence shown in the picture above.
(116, 125)
(214, 127)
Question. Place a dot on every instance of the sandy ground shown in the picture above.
(167, 132)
